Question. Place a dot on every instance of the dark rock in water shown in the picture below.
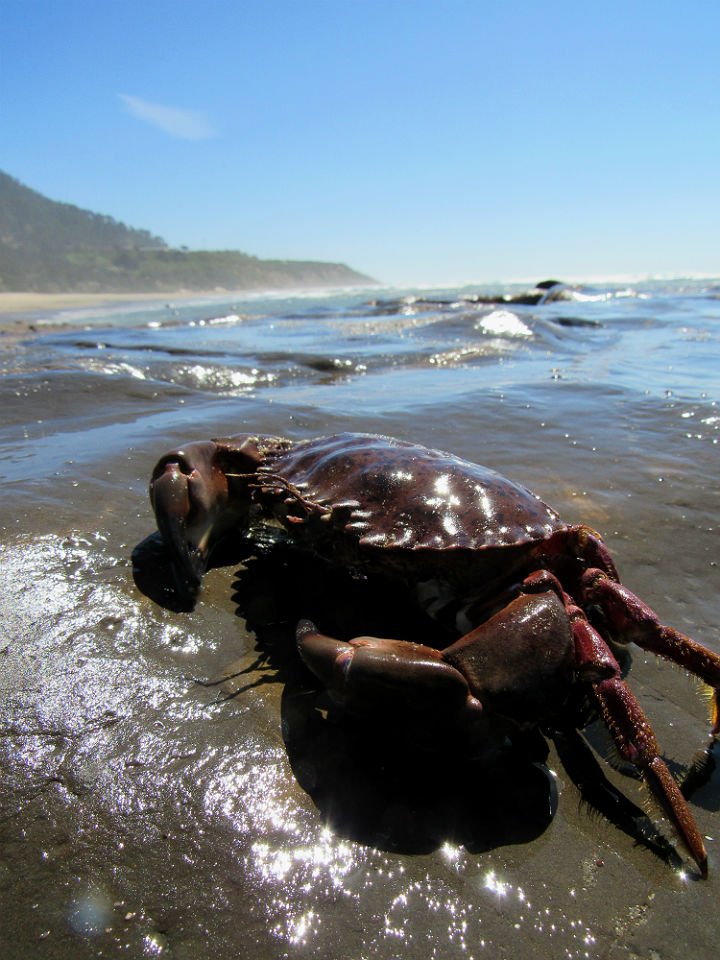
(576, 322)
(542, 292)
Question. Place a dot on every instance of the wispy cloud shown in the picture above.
(186, 124)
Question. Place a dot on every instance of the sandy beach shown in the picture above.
(24, 314)
(31, 302)
(36, 305)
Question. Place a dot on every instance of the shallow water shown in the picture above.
(168, 783)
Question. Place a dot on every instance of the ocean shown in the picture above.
(171, 781)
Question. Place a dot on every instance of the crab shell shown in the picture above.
(388, 503)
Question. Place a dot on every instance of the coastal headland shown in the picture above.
(55, 256)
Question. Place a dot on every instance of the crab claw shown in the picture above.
(189, 493)
(375, 677)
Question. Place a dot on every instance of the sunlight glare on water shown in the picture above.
(504, 323)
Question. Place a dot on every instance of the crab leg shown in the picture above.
(635, 622)
(636, 742)
(622, 714)
(631, 729)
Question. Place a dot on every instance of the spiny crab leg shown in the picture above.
(636, 741)
(624, 716)
(635, 621)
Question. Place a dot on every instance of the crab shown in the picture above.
(538, 603)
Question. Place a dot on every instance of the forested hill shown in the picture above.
(53, 247)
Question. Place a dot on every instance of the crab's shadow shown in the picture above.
(384, 791)
(375, 781)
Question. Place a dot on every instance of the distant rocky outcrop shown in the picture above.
(52, 247)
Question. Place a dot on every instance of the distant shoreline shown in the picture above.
(22, 313)
(39, 304)
(27, 306)
(27, 314)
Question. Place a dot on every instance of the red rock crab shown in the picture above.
(530, 584)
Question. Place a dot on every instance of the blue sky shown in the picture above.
(420, 142)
